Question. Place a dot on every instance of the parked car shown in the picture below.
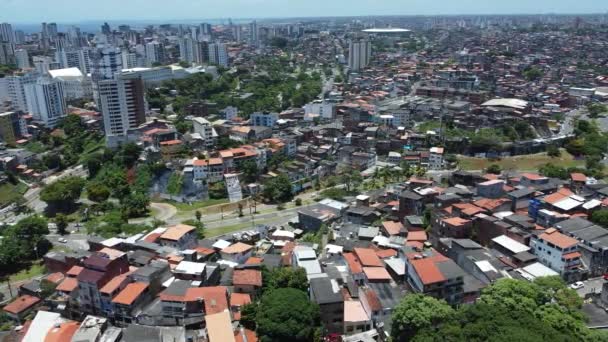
(577, 285)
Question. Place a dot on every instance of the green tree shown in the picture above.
(415, 312)
(554, 171)
(553, 151)
(283, 277)
(175, 184)
(128, 154)
(600, 217)
(198, 215)
(72, 125)
(494, 169)
(200, 227)
(595, 109)
(278, 189)
(93, 164)
(532, 73)
(286, 314)
(250, 171)
(575, 147)
(61, 195)
(135, 205)
(97, 192)
(62, 223)
(248, 315)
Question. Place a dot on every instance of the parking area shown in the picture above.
(593, 285)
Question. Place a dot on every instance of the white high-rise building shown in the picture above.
(218, 54)
(6, 33)
(45, 101)
(72, 58)
(187, 49)
(154, 53)
(42, 64)
(324, 109)
(122, 107)
(359, 55)
(22, 58)
(13, 90)
(129, 59)
(253, 32)
(105, 63)
(237, 33)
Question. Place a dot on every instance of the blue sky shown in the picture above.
(30, 11)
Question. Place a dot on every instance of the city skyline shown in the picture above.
(182, 10)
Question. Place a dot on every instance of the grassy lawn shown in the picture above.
(10, 193)
(530, 162)
(198, 204)
(35, 147)
(35, 270)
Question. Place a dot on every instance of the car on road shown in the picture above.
(577, 285)
(62, 240)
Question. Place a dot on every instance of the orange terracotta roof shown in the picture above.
(113, 284)
(386, 253)
(55, 278)
(152, 238)
(176, 232)
(392, 228)
(130, 293)
(427, 270)
(419, 235)
(250, 336)
(63, 333)
(238, 247)
(558, 239)
(214, 297)
(171, 142)
(254, 261)
(558, 196)
(570, 256)
(376, 273)
(239, 299)
(490, 204)
(204, 251)
(578, 177)
(247, 277)
(21, 304)
(353, 263)
(67, 285)
(456, 221)
(367, 257)
(372, 299)
(532, 176)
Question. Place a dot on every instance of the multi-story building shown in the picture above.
(22, 59)
(205, 130)
(180, 236)
(218, 54)
(360, 54)
(6, 33)
(264, 119)
(324, 109)
(154, 53)
(46, 101)
(98, 270)
(7, 53)
(326, 293)
(106, 63)
(12, 127)
(122, 107)
(13, 90)
(436, 158)
(558, 252)
(75, 84)
(435, 275)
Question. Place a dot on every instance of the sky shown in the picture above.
(73, 11)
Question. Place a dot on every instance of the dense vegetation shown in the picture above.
(23, 243)
(509, 310)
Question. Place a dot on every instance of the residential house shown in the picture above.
(180, 236)
(129, 301)
(247, 281)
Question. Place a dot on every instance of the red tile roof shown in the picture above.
(427, 269)
(67, 285)
(456, 221)
(578, 177)
(130, 293)
(174, 233)
(237, 248)
(376, 273)
(55, 278)
(63, 333)
(558, 239)
(367, 257)
(247, 277)
(21, 304)
(386, 253)
(417, 235)
(214, 297)
(353, 263)
(392, 228)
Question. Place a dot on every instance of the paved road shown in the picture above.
(32, 196)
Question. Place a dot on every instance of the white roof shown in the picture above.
(397, 265)
(592, 204)
(567, 204)
(510, 244)
(190, 267)
(66, 73)
(334, 204)
(503, 214)
(111, 242)
(311, 266)
(221, 244)
(283, 233)
(304, 254)
(334, 249)
(362, 197)
(539, 270)
(168, 282)
(41, 325)
(513, 103)
(485, 266)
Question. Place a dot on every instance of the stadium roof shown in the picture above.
(386, 30)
